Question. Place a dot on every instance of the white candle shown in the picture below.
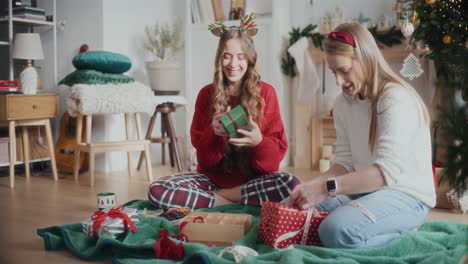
(327, 151)
(324, 165)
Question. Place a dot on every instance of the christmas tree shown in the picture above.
(443, 26)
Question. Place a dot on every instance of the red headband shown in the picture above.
(344, 37)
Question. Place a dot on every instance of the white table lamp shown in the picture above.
(28, 47)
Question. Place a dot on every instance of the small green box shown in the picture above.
(240, 122)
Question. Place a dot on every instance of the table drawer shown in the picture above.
(20, 107)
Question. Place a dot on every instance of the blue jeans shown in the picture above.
(369, 220)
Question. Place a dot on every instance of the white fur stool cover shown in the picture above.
(90, 99)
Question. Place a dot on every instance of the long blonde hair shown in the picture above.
(249, 97)
(376, 69)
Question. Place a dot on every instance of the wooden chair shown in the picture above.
(168, 135)
(127, 145)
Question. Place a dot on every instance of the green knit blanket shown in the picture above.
(434, 242)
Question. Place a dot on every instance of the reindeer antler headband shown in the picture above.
(247, 25)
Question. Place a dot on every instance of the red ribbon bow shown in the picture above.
(166, 248)
(344, 37)
(99, 217)
(234, 124)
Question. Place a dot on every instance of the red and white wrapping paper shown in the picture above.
(282, 225)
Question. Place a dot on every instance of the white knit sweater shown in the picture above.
(403, 142)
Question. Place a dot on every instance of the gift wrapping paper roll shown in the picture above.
(324, 165)
(327, 151)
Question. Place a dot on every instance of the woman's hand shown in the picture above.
(309, 194)
(217, 126)
(250, 139)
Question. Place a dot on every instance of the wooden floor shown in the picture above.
(40, 202)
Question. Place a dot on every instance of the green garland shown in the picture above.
(287, 62)
(443, 26)
(388, 38)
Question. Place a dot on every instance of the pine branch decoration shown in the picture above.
(392, 36)
(453, 122)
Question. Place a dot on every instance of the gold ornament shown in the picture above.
(447, 39)
(431, 2)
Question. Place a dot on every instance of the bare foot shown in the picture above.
(220, 200)
(231, 194)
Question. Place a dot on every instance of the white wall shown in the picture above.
(117, 26)
(124, 23)
(83, 25)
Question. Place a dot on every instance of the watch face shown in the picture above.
(331, 185)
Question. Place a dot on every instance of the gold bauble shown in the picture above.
(447, 39)
(430, 2)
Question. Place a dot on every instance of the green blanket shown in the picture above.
(434, 242)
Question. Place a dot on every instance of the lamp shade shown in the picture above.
(28, 46)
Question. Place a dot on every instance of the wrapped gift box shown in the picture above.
(234, 120)
(220, 229)
(282, 225)
(111, 225)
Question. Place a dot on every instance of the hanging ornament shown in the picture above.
(431, 2)
(447, 39)
(411, 67)
(414, 17)
(407, 28)
(422, 48)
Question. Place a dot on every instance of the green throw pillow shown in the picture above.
(103, 61)
(94, 77)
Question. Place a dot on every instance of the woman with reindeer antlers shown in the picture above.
(230, 170)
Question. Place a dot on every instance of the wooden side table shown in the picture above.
(28, 110)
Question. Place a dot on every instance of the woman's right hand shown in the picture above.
(217, 126)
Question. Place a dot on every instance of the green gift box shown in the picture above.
(234, 120)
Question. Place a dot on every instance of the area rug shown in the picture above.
(434, 242)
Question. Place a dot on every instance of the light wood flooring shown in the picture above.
(40, 202)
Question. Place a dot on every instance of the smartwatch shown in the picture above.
(332, 187)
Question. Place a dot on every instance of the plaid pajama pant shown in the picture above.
(196, 190)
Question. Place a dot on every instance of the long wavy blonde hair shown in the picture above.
(249, 97)
(376, 70)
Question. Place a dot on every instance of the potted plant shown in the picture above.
(163, 42)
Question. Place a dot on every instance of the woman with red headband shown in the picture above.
(380, 183)
(231, 170)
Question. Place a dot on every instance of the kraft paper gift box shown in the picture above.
(112, 226)
(220, 229)
(234, 120)
(282, 225)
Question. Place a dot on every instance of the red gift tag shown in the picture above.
(282, 225)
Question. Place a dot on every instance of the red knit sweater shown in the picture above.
(265, 157)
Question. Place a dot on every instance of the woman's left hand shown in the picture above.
(309, 194)
(250, 139)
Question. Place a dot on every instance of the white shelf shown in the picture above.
(31, 22)
(12, 22)
(21, 162)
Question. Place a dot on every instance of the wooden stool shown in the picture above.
(127, 146)
(168, 135)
